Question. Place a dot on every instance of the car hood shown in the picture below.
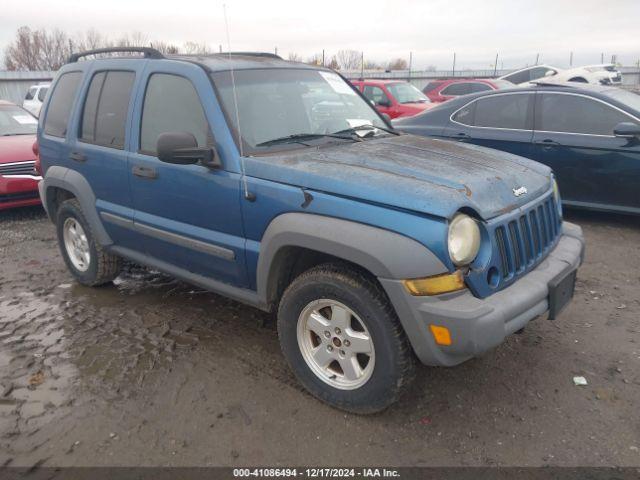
(416, 107)
(16, 148)
(430, 176)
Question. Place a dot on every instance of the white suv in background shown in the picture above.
(34, 98)
(606, 74)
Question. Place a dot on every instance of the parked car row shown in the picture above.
(18, 180)
(589, 135)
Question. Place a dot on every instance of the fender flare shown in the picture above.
(384, 253)
(74, 182)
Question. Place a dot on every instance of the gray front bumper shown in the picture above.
(477, 325)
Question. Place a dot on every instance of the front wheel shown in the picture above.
(342, 339)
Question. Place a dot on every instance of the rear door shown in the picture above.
(574, 136)
(186, 215)
(502, 121)
(99, 140)
(454, 90)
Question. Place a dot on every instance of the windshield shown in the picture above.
(16, 121)
(630, 99)
(407, 93)
(274, 104)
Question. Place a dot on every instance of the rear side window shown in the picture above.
(456, 89)
(104, 114)
(61, 103)
(479, 87)
(578, 114)
(171, 104)
(42, 93)
(503, 111)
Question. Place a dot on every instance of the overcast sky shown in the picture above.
(432, 29)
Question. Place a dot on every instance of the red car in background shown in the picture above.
(395, 98)
(18, 179)
(443, 90)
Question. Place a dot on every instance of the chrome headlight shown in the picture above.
(463, 239)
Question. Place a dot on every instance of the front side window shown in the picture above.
(406, 93)
(60, 104)
(16, 121)
(171, 104)
(376, 95)
(456, 89)
(277, 103)
(105, 109)
(578, 114)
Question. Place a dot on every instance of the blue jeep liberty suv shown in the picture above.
(277, 184)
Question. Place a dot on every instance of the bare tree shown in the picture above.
(165, 48)
(194, 48)
(349, 59)
(333, 63)
(37, 50)
(371, 65)
(294, 57)
(134, 39)
(315, 59)
(398, 64)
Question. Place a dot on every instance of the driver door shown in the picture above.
(186, 215)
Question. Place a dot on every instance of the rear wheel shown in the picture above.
(343, 340)
(86, 259)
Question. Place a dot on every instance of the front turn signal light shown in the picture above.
(448, 282)
(441, 334)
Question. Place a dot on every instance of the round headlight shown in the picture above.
(464, 239)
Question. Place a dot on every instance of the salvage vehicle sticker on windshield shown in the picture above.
(24, 119)
(338, 85)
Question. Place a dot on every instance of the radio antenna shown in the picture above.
(245, 187)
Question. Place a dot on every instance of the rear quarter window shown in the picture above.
(60, 104)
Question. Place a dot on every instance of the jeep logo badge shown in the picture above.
(518, 192)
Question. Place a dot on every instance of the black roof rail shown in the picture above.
(147, 52)
(253, 54)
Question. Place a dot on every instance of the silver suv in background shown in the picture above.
(34, 98)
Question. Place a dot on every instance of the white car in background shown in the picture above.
(606, 74)
(34, 98)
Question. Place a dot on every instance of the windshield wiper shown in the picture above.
(298, 137)
(370, 128)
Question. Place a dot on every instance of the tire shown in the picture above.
(390, 366)
(97, 266)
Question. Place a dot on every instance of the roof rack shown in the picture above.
(253, 54)
(146, 51)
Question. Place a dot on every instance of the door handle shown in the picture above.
(78, 156)
(145, 172)
(547, 143)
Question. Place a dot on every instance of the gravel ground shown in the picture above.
(151, 371)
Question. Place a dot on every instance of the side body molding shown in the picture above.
(74, 182)
(384, 253)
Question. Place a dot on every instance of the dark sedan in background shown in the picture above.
(589, 136)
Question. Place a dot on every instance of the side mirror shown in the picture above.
(627, 130)
(181, 148)
(384, 103)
